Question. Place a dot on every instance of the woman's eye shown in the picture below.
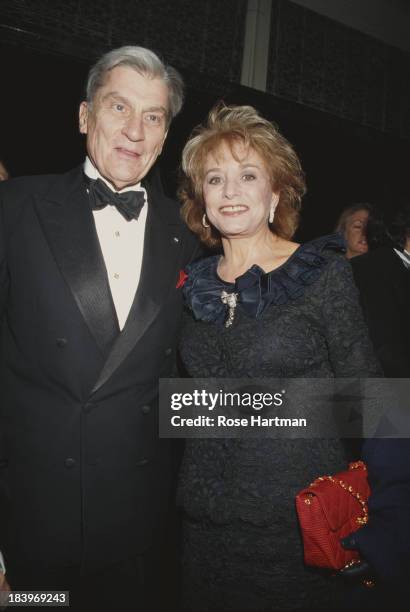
(119, 107)
(214, 180)
(249, 177)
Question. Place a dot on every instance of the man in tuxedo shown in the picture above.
(90, 310)
(383, 279)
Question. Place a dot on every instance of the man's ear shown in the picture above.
(83, 117)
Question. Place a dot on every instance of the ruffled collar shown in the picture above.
(255, 289)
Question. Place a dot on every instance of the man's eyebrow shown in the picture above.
(116, 95)
(155, 109)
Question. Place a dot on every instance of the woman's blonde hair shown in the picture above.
(232, 125)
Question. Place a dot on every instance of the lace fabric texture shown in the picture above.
(242, 547)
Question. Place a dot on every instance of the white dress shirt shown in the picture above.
(404, 256)
(122, 245)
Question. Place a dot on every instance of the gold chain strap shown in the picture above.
(361, 520)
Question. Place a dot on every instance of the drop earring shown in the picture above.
(272, 212)
(204, 223)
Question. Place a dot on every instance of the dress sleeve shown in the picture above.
(350, 350)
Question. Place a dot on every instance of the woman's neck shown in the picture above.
(266, 250)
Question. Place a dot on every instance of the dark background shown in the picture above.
(341, 97)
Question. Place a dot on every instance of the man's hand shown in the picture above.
(4, 585)
(4, 588)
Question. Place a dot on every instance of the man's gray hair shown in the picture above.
(144, 62)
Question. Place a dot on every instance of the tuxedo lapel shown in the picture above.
(162, 254)
(67, 222)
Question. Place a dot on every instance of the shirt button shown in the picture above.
(117, 234)
(116, 275)
(61, 342)
(69, 463)
(146, 409)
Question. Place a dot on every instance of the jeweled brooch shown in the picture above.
(231, 300)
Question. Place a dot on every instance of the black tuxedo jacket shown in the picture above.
(384, 286)
(84, 479)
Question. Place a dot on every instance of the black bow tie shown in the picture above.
(129, 203)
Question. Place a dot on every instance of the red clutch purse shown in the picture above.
(329, 509)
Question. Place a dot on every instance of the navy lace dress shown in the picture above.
(242, 547)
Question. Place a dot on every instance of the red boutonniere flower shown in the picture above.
(182, 278)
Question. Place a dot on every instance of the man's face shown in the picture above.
(125, 125)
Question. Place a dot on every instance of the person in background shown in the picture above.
(90, 312)
(399, 231)
(352, 225)
(4, 174)
(383, 279)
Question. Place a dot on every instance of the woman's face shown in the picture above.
(237, 192)
(355, 235)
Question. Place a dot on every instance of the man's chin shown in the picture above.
(122, 181)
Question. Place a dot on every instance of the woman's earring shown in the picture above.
(204, 223)
(272, 212)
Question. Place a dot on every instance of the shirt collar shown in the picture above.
(404, 256)
(91, 171)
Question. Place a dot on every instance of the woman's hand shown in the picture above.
(361, 569)
(358, 570)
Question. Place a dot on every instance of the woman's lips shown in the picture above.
(233, 210)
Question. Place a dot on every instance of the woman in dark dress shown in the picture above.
(267, 307)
